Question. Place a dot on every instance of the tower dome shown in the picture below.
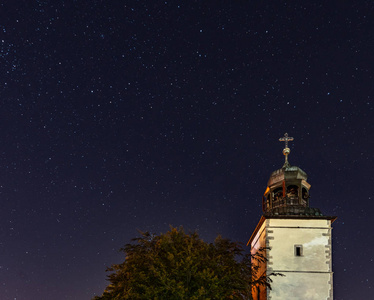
(287, 191)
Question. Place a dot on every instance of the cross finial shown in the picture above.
(285, 139)
(286, 150)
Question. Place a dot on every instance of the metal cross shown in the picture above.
(286, 139)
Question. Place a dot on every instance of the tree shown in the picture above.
(177, 265)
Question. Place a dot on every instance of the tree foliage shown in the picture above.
(177, 265)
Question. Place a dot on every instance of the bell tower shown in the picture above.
(296, 238)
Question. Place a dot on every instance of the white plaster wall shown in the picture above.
(305, 286)
(313, 235)
(308, 276)
(300, 222)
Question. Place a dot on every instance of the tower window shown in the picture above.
(293, 195)
(278, 194)
(305, 193)
(298, 250)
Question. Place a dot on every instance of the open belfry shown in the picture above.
(296, 238)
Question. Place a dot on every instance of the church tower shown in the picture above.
(296, 236)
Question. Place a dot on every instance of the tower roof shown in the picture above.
(288, 172)
(287, 192)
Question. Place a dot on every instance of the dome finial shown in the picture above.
(286, 150)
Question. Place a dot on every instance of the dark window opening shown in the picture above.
(305, 194)
(278, 194)
(292, 191)
(305, 197)
(298, 250)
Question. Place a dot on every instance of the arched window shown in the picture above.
(304, 196)
(278, 194)
(292, 190)
(305, 193)
(292, 194)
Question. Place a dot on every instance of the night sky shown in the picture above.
(118, 116)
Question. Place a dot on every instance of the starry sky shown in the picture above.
(118, 116)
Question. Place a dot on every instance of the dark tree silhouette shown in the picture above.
(177, 265)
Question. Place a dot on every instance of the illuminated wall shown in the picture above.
(301, 250)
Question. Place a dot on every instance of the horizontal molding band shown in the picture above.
(296, 227)
(284, 271)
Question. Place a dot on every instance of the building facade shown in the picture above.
(296, 239)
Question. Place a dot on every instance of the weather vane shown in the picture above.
(286, 150)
